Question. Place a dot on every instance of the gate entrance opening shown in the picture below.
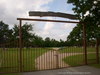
(54, 57)
(20, 58)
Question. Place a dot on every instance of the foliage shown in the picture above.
(26, 33)
(5, 33)
(87, 11)
(29, 39)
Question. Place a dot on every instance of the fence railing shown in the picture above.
(38, 58)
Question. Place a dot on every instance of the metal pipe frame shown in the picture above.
(44, 20)
(59, 21)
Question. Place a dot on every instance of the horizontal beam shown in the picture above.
(52, 14)
(44, 20)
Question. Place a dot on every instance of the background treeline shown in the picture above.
(10, 37)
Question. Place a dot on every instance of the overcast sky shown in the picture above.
(10, 10)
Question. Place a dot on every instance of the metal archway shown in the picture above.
(51, 14)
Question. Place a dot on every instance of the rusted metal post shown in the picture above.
(44, 20)
(20, 43)
(84, 43)
(97, 51)
(56, 56)
(57, 59)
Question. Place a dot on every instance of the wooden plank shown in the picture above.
(53, 14)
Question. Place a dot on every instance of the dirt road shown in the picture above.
(52, 59)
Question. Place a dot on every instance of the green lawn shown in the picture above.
(11, 74)
(77, 60)
(11, 60)
(95, 65)
(76, 49)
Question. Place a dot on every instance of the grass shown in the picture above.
(77, 60)
(76, 49)
(11, 60)
(95, 65)
(11, 74)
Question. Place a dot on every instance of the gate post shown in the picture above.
(97, 50)
(20, 44)
(84, 43)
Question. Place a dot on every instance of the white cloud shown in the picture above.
(57, 30)
(48, 26)
(68, 25)
(11, 9)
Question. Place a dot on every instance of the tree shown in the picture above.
(5, 33)
(37, 41)
(91, 20)
(75, 36)
(47, 42)
(55, 43)
(29, 39)
(26, 34)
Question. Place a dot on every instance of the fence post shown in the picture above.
(20, 44)
(84, 42)
(97, 50)
(57, 59)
